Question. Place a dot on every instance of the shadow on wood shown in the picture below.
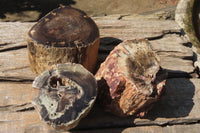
(196, 18)
(182, 74)
(99, 119)
(12, 6)
(106, 45)
(178, 101)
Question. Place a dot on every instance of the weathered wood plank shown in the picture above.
(168, 129)
(16, 94)
(15, 64)
(13, 55)
(22, 122)
(13, 35)
(180, 105)
(174, 45)
(175, 52)
(135, 29)
(194, 128)
(176, 64)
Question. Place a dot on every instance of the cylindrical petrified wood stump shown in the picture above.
(67, 93)
(64, 35)
(130, 80)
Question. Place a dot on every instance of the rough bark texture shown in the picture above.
(129, 80)
(64, 35)
(67, 94)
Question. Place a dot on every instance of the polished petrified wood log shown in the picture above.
(67, 93)
(64, 35)
(130, 80)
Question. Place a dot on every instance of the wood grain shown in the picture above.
(13, 35)
(15, 64)
(16, 94)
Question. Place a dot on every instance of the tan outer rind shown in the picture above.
(42, 57)
(121, 93)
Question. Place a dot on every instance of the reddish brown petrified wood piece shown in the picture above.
(64, 35)
(67, 93)
(130, 80)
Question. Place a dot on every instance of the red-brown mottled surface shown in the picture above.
(127, 80)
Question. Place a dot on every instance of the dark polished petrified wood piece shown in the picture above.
(67, 93)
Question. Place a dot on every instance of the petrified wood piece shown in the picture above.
(64, 35)
(67, 94)
(130, 80)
